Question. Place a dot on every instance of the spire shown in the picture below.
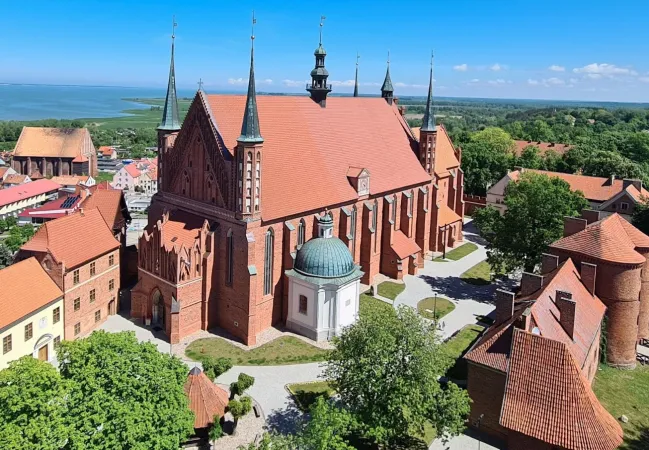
(387, 91)
(428, 122)
(356, 77)
(250, 127)
(170, 116)
(319, 87)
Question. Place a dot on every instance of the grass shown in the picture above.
(389, 289)
(442, 307)
(140, 118)
(480, 274)
(626, 392)
(460, 252)
(104, 176)
(283, 350)
(305, 394)
(457, 346)
(367, 303)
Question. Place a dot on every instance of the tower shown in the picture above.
(170, 123)
(428, 131)
(356, 77)
(387, 91)
(319, 87)
(249, 150)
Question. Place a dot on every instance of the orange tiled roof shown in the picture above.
(446, 216)
(543, 147)
(26, 287)
(74, 239)
(594, 188)
(611, 239)
(3, 170)
(180, 228)
(103, 185)
(16, 178)
(109, 204)
(404, 246)
(493, 348)
(66, 180)
(205, 398)
(321, 144)
(52, 142)
(106, 150)
(548, 398)
(445, 158)
(132, 170)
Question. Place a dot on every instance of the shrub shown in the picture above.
(214, 367)
(216, 432)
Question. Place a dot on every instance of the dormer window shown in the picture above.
(359, 178)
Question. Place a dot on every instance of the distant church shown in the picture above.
(246, 181)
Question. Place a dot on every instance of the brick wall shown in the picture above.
(473, 203)
(486, 388)
(517, 440)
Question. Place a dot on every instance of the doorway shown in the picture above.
(43, 353)
(158, 311)
(111, 308)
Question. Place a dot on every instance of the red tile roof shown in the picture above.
(548, 398)
(103, 185)
(404, 246)
(3, 170)
(26, 287)
(445, 158)
(206, 399)
(321, 144)
(447, 216)
(543, 147)
(51, 142)
(493, 348)
(594, 188)
(110, 204)
(15, 178)
(179, 229)
(66, 180)
(53, 209)
(132, 170)
(23, 191)
(106, 150)
(74, 239)
(611, 239)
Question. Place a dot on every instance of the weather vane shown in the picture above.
(357, 58)
(173, 28)
(200, 84)
(388, 57)
(322, 19)
(254, 21)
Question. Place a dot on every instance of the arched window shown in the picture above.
(268, 262)
(248, 190)
(375, 214)
(411, 200)
(353, 231)
(394, 211)
(257, 180)
(301, 227)
(229, 255)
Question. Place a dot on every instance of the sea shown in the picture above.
(35, 102)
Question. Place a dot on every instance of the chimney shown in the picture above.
(549, 262)
(525, 320)
(628, 182)
(530, 283)
(504, 305)
(572, 225)
(610, 181)
(567, 307)
(588, 272)
(591, 215)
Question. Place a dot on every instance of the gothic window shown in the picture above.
(186, 183)
(229, 248)
(248, 182)
(394, 211)
(410, 202)
(375, 214)
(426, 198)
(268, 262)
(301, 227)
(353, 231)
(257, 180)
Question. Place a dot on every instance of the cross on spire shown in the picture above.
(322, 19)
(250, 127)
(173, 28)
(252, 34)
(170, 117)
(200, 84)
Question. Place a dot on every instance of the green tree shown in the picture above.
(536, 206)
(11, 222)
(243, 383)
(3, 225)
(238, 409)
(483, 166)
(215, 367)
(13, 242)
(530, 158)
(386, 369)
(34, 401)
(6, 256)
(541, 131)
(124, 394)
(216, 432)
(606, 164)
(640, 218)
(495, 138)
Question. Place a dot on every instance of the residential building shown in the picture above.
(80, 253)
(544, 147)
(149, 181)
(530, 374)
(107, 152)
(16, 199)
(15, 179)
(244, 178)
(32, 316)
(47, 152)
(609, 195)
(127, 178)
(69, 183)
(112, 206)
(5, 171)
(54, 209)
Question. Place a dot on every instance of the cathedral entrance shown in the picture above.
(158, 310)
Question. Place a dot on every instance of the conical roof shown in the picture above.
(170, 115)
(250, 127)
(206, 399)
(428, 121)
(387, 83)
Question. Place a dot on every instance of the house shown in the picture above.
(107, 152)
(48, 152)
(5, 171)
(127, 178)
(530, 374)
(543, 147)
(244, 179)
(609, 195)
(15, 199)
(149, 181)
(15, 179)
(80, 253)
(54, 209)
(70, 182)
(32, 316)
(112, 206)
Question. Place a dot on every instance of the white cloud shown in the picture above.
(266, 81)
(555, 68)
(342, 83)
(498, 82)
(574, 81)
(294, 83)
(370, 83)
(555, 81)
(604, 70)
(496, 67)
(237, 81)
(461, 67)
(644, 79)
(547, 82)
(406, 85)
(475, 80)
(533, 82)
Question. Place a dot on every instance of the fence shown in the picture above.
(473, 202)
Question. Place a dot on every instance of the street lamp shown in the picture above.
(445, 229)
(435, 310)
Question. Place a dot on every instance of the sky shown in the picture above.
(550, 49)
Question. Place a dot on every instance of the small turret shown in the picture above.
(387, 91)
(356, 77)
(319, 87)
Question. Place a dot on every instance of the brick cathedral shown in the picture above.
(243, 179)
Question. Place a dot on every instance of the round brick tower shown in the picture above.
(620, 252)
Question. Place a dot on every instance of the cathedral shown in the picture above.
(245, 182)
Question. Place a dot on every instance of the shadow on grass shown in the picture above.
(638, 442)
(285, 421)
(305, 399)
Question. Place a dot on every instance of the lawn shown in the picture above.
(441, 307)
(479, 274)
(368, 303)
(389, 289)
(457, 346)
(305, 394)
(104, 176)
(626, 392)
(283, 350)
(460, 252)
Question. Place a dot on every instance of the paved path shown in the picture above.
(470, 440)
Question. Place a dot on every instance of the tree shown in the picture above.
(243, 383)
(124, 394)
(483, 166)
(496, 139)
(530, 158)
(11, 222)
(216, 432)
(3, 225)
(640, 218)
(6, 256)
(606, 164)
(34, 406)
(238, 409)
(215, 367)
(536, 206)
(385, 368)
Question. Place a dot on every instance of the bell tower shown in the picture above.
(319, 87)
(387, 91)
(428, 131)
(249, 150)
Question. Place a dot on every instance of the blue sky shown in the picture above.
(551, 49)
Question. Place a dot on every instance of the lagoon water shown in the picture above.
(34, 102)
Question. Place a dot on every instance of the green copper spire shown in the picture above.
(250, 127)
(170, 116)
(428, 122)
(387, 91)
(356, 78)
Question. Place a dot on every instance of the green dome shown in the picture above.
(325, 258)
(320, 50)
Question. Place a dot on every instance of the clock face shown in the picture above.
(363, 184)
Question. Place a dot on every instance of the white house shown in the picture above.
(324, 286)
(127, 178)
